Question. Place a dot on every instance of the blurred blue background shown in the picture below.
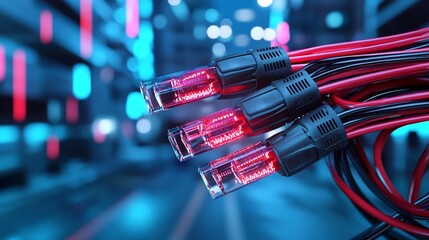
(80, 158)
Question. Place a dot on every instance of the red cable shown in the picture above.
(418, 174)
(374, 77)
(365, 42)
(372, 89)
(385, 125)
(359, 71)
(396, 99)
(297, 67)
(380, 142)
(396, 198)
(390, 116)
(353, 51)
(372, 210)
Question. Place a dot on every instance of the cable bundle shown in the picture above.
(336, 94)
(240, 74)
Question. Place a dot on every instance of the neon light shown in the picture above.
(133, 19)
(81, 81)
(9, 134)
(208, 133)
(146, 8)
(86, 28)
(46, 26)
(181, 89)
(72, 110)
(257, 167)
(2, 63)
(200, 92)
(101, 128)
(231, 120)
(238, 169)
(135, 106)
(36, 134)
(283, 33)
(19, 86)
(53, 148)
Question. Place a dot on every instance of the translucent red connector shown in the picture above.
(208, 133)
(239, 169)
(181, 89)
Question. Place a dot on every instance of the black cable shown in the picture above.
(334, 69)
(328, 67)
(345, 169)
(357, 115)
(361, 171)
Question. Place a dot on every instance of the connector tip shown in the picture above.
(177, 141)
(208, 175)
(150, 98)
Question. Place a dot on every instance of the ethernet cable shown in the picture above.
(310, 138)
(239, 74)
(285, 100)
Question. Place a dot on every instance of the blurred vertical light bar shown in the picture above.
(72, 110)
(53, 147)
(277, 15)
(132, 18)
(135, 107)
(144, 52)
(283, 33)
(19, 86)
(54, 111)
(81, 81)
(2, 63)
(46, 26)
(86, 28)
(143, 45)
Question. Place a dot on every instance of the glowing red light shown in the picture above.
(46, 26)
(53, 148)
(2, 63)
(225, 128)
(19, 86)
(86, 28)
(72, 110)
(196, 91)
(238, 169)
(283, 33)
(132, 18)
(257, 167)
(208, 133)
(182, 89)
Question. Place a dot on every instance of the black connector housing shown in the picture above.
(309, 139)
(283, 101)
(246, 72)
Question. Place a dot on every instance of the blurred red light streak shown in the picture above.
(72, 110)
(2, 63)
(132, 18)
(86, 28)
(19, 86)
(53, 148)
(46, 26)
